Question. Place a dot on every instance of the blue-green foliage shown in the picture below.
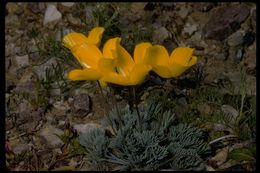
(157, 142)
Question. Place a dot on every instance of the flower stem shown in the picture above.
(136, 106)
(106, 108)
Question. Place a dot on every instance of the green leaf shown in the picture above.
(241, 154)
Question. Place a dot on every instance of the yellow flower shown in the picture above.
(129, 71)
(88, 54)
(169, 66)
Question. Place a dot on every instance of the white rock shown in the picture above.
(21, 148)
(67, 4)
(161, 34)
(51, 14)
(50, 135)
(190, 29)
(22, 61)
(85, 128)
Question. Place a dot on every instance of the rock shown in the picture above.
(89, 15)
(236, 38)
(82, 104)
(221, 156)
(203, 6)
(14, 8)
(20, 148)
(67, 4)
(61, 105)
(49, 135)
(183, 12)
(160, 34)
(41, 69)
(22, 61)
(248, 39)
(204, 109)
(85, 128)
(74, 21)
(34, 7)
(225, 21)
(230, 113)
(190, 28)
(12, 21)
(51, 14)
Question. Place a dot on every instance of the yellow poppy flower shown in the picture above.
(88, 54)
(169, 66)
(129, 71)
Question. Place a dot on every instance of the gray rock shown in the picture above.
(67, 4)
(12, 21)
(41, 69)
(236, 38)
(74, 21)
(82, 104)
(160, 34)
(225, 21)
(203, 6)
(86, 128)
(20, 148)
(51, 14)
(49, 135)
(183, 12)
(22, 61)
(190, 28)
(14, 8)
(230, 113)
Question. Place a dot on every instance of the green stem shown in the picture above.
(117, 110)
(136, 106)
(106, 108)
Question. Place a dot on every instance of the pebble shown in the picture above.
(225, 21)
(236, 38)
(230, 112)
(49, 135)
(20, 148)
(85, 128)
(22, 61)
(51, 14)
(67, 4)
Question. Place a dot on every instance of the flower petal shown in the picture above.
(139, 52)
(110, 46)
(88, 55)
(73, 40)
(124, 60)
(106, 65)
(162, 71)
(177, 68)
(157, 55)
(181, 55)
(115, 78)
(85, 74)
(95, 35)
(139, 72)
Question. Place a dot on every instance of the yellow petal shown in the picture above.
(181, 55)
(139, 73)
(95, 35)
(109, 47)
(88, 55)
(162, 71)
(157, 55)
(106, 65)
(140, 51)
(85, 74)
(73, 40)
(115, 78)
(177, 69)
(124, 60)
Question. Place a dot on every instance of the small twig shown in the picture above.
(221, 138)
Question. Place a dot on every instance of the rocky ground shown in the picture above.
(41, 103)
